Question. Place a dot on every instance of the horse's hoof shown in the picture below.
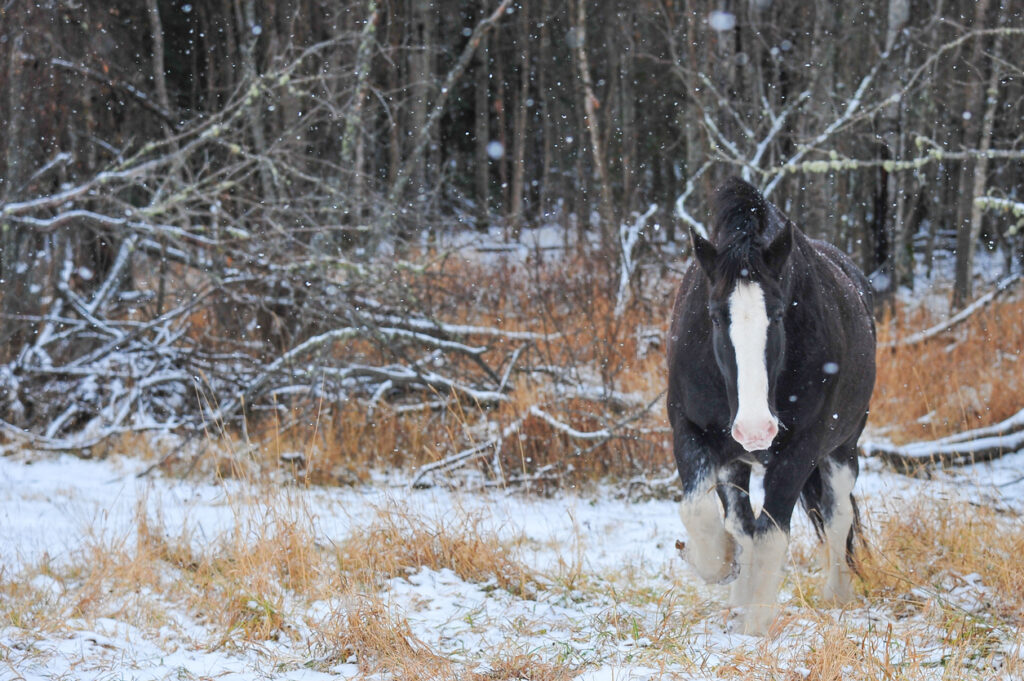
(727, 573)
(734, 569)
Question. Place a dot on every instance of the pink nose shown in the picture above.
(754, 436)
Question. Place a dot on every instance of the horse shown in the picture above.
(771, 363)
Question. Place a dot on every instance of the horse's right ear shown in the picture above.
(705, 252)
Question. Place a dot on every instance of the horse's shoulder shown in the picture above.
(843, 270)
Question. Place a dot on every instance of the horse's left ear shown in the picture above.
(705, 252)
(777, 252)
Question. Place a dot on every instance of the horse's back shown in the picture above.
(851, 273)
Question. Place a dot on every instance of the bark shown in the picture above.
(590, 122)
(421, 75)
(501, 128)
(975, 95)
(519, 130)
(547, 110)
(353, 143)
(159, 78)
(627, 99)
(482, 135)
(250, 36)
(981, 167)
(14, 272)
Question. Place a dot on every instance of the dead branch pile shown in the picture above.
(165, 298)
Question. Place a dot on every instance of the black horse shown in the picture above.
(771, 361)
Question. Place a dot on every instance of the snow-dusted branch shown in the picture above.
(1015, 208)
(852, 109)
(983, 444)
(629, 238)
(680, 205)
(927, 334)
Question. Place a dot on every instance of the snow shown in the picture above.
(53, 507)
(721, 21)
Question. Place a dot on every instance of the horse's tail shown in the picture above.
(855, 540)
(740, 208)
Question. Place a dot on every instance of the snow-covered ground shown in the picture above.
(632, 585)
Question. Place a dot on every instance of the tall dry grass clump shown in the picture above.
(396, 541)
(934, 545)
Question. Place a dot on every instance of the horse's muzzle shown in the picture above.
(755, 435)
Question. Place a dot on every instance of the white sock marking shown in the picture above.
(756, 590)
(709, 549)
(839, 584)
(748, 331)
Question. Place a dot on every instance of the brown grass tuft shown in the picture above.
(397, 541)
(967, 378)
(919, 551)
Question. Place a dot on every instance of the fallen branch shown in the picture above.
(460, 459)
(962, 449)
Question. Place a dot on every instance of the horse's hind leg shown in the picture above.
(838, 515)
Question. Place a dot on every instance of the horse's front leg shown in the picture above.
(763, 541)
(709, 549)
(734, 488)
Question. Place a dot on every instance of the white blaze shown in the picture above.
(748, 331)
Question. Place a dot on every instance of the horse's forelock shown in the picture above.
(745, 223)
(739, 209)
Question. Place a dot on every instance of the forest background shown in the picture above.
(239, 216)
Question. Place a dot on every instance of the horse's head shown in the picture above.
(747, 300)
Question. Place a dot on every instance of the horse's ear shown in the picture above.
(777, 252)
(705, 252)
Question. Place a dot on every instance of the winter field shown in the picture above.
(239, 556)
(111, 576)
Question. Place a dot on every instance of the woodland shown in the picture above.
(236, 215)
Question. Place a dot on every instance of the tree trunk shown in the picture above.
(590, 123)
(482, 134)
(421, 74)
(972, 172)
(501, 126)
(13, 270)
(547, 110)
(353, 141)
(519, 123)
(254, 114)
(889, 204)
(627, 99)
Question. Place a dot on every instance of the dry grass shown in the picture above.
(919, 550)
(397, 540)
(379, 641)
(268, 577)
(256, 581)
(968, 378)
